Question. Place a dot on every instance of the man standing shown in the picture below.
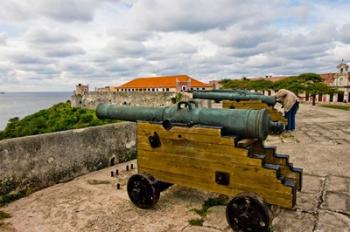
(290, 103)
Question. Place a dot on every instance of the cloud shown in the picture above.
(3, 38)
(64, 51)
(103, 42)
(66, 11)
(20, 58)
(46, 36)
(345, 33)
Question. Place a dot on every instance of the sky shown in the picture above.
(51, 45)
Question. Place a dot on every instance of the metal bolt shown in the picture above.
(132, 166)
(127, 167)
(118, 186)
(112, 173)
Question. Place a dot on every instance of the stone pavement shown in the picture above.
(321, 146)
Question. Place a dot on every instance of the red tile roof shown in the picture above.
(162, 82)
(328, 78)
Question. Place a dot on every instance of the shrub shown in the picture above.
(57, 118)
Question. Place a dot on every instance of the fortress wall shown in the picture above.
(35, 162)
(92, 99)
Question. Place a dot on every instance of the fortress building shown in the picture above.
(178, 83)
(81, 89)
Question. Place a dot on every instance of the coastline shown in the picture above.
(21, 104)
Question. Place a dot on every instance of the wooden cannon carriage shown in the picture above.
(223, 159)
(274, 114)
(241, 99)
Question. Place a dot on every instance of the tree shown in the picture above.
(260, 84)
(291, 83)
(310, 83)
(314, 85)
(236, 84)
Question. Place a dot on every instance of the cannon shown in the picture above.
(234, 96)
(241, 123)
(240, 91)
(215, 150)
(242, 99)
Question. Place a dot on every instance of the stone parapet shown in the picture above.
(35, 162)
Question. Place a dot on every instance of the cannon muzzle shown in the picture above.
(236, 122)
(234, 96)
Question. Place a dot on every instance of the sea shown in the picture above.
(22, 104)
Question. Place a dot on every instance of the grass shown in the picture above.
(196, 222)
(339, 107)
(4, 215)
(210, 202)
(203, 212)
(8, 198)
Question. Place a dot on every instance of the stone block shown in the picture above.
(331, 222)
(312, 184)
(336, 202)
(307, 201)
(292, 221)
(338, 184)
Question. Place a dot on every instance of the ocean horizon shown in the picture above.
(21, 104)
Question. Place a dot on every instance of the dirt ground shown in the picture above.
(321, 146)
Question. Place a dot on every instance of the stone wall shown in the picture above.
(92, 99)
(34, 162)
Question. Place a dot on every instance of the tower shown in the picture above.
(341, 77)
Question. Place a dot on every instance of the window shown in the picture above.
(167, 89)
(203, 88)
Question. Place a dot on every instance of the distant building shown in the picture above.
(177, 83)
(81, 89)
(103, 89)
(216, 84)
(340, 80)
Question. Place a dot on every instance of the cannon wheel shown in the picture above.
(142, 191)
(247, 212)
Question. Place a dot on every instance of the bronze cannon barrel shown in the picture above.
(236, 122)
(235, 96)
(240, 91)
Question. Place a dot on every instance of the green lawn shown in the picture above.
(339, 107)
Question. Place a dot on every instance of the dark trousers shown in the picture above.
(290, 116)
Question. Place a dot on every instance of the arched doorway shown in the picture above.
(340, 97)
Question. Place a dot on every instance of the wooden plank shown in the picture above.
(271, 197)
(183, 145)
(239, 174)
(206, 155)
(177, 134)
(284, 163)
(212, 131)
